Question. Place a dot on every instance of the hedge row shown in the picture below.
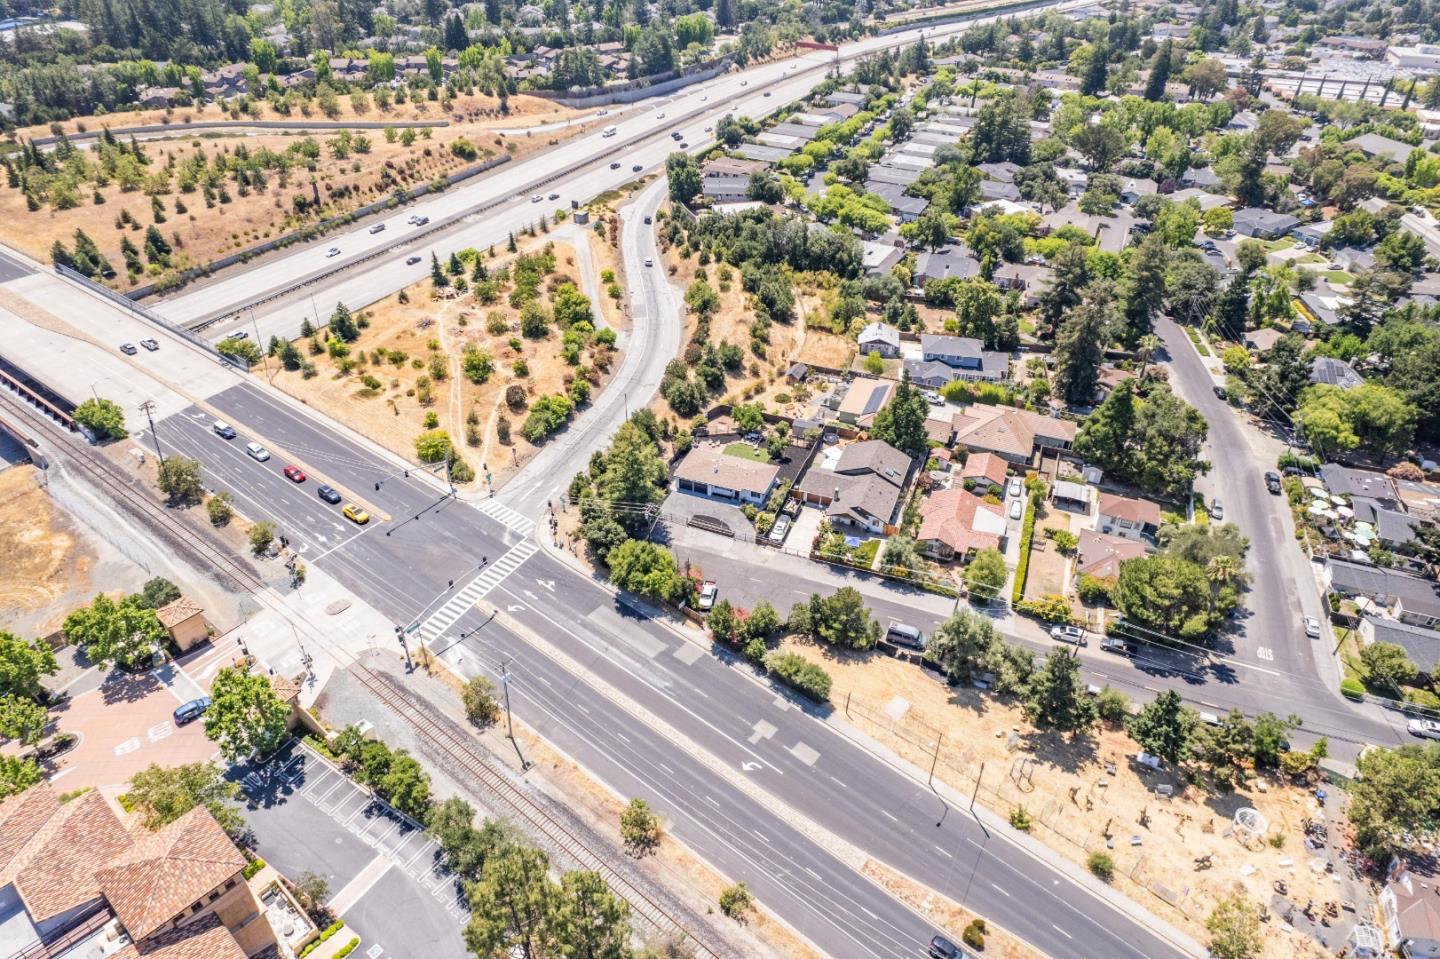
(1027, 532)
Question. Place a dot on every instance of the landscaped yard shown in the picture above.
(747, 452)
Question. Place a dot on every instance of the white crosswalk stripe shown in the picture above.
(471, 593)
(507, 517)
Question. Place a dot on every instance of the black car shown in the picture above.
(942, 948)
(1114, 644)
(411, 260)
(636, 168)
(191, 711)
(329, 494)
(1220, 393)
(615, 165)
(1272, 481)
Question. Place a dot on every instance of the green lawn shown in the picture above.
(1336, 276)
(865, 553)
(1284, 243)
(747, 452)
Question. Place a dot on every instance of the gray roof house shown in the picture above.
(951, 261)
(879, 338)
(1373, 144)
(859, 487)
(966, 356)
(1409, 598)
(1335, 372)
(1345, 481)
(1421, 645)
(1264, 224)
(931, 374)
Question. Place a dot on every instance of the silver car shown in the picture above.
(1424, 728)
(1312, 627)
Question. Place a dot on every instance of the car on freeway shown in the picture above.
(778, 531)
(647, 218)
(378, 228)
(615, 165)
(1217, 509)
(709, 129)
(649, 262)
(1312, 627)
(128, 349)
(603, 113)
(554, 196)
(942, 948)
(708, 592)
(660, 115)
(237, 335)
(744, 83)
(411, 260)
(1272, 481)
(412, 219)
(329, 494)
(1069, 634)
(333, 251)
(355, 514)
(191, 711)
(538, 198)
(257, 452)
(421, 220)
(1017, 509)
(636, 168)
(684, 145)
(223, 430)
(1424, 728)
(1017, 486)
(294, 474)
(150, 345)
(677, 135)
(1114, 644)
(767, 93)
(704, 97)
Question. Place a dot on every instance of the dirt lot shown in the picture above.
(1046, 573)
(319, 183)
(427, 326)
(1075, 802)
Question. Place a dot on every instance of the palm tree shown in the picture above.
(1220, 571)
(1147, 346)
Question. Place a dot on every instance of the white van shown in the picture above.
(608, 132)
(257, 451)
(902, 634)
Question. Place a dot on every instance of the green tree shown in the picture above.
(646, 569)
(478, 697)
(17, 775)
(162, 795)
(634, 473)
(842, 619)
(102, 417)
(22, 664)
(405, 785)
(1097, 71)
(1168, 596)
(902, 422)
(736, 901)
(22, 720)
(1142, 288)
(590, 919)
(179, 479)
(111, 633)
(1056, 695)
(1394, 797)
(986, 574)
(1234, 927)
(683, 176)
(1388, 664)
(157, 591)
(262, 534)
(1164, 727)
(1159, 73)
(245, 717)
(1080, 349)
(639, 827)
(343, 325)
(977, 308)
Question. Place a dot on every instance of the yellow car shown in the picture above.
(355, 514)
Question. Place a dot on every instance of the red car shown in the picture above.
(294, 473)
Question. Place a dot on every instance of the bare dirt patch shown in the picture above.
(47, 559)
(1078, 806)
(946, 914)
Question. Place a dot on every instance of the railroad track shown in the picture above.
(461, 750)
(383, 687)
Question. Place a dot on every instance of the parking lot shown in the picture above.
(386, 875)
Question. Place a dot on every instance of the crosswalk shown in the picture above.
(507, 517)
(471, 593)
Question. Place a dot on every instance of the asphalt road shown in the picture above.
(715, 708)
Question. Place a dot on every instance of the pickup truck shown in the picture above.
(708, 591)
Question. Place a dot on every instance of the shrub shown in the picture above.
(348, 948)
(1051, 608)
(252, 868)
(800, 675)
(1101, 865)
(479, 699)
(1020, 819)
(974, 934)
(1027, 533)
(639, 827)
(218, 506)
(262, 534)
(736, 901)
(1352, 689)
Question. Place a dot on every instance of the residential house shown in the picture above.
(903, 205)
(880, 338)
(955, 524)
(1409, 599)
(1111, 233)
(859, 485)
(878, 257)
(930, 374)
(863, 400)
(993, 190)
(1352, 260)
(984, 472)
(966, 356)
(1030, 279)
(1072, 496)
(1003, 172)
(184, 620)
(708, 470)
(1263, 224)
(1100, 555)
(157, 97)
(1421, 644)
(1347, 481)
(947, 262)
(1312, 235)
(72, 870)
(1410, 904)
(1202, 178)
(1137, 519)
(1013, 435)
(1261, 341)
(226, 82)
(727, 179)
(1375, 145)
(1334, 372)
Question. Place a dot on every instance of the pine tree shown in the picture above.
(510, 244)
(61, 256)
(454, 267)
(437, 273)
(342, 324)
(157, 249)
(1159, 73)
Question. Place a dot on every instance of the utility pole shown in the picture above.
(264, 353)
(505, 684)
(148, 408)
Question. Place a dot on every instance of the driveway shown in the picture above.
(386, 875)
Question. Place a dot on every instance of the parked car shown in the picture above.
(191, 711)
(1017, 509)
(942, 948)
(1017, 486)
(1114, 644)
(128, 349)
(778, 531)
(257, 451)
(1312, 627)
(933, 398)
(1217, 509)
(1424, 728)
(903, 634)
(1272, 481)
(223, 430)
(1069, 634)
(329, 494)
(355, 514)
(294, 474)
(708, 591)
(150, 345)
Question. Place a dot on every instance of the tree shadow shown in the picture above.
(1069, 754)
(122, 687)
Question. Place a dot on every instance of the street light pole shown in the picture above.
(148, 408)
(505, 684)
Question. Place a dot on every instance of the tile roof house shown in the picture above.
(859, 485)
(966, 356)
(1263, 224)
(708, 470)
(184, 620)
(1131, 518)
(1099, 555)
(955, 523)
(1014, 435)
(1410, 903)
(986, 470)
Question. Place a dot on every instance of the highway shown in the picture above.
(492, 205)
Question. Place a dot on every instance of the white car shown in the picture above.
(378, 228)
(660, 115)
(257, 452)
(1068, 634)
(333, 251)
(1424, 728)
(1017, 509)
(1312, 627)
(708, 592)
(1017, 486)
(649, 262)
(538, 198)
